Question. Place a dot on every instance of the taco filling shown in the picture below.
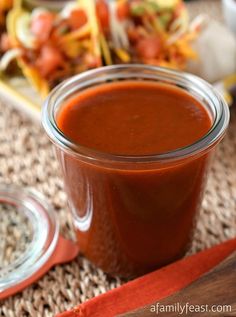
(52, 46)
(153, 31)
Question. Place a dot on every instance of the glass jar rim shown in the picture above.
(100, 75)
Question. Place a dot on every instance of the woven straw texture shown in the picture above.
(26, 159)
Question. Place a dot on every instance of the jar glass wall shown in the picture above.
(133, 214)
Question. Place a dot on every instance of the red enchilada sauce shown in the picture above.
(132, 220)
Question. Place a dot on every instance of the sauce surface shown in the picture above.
(134, 118)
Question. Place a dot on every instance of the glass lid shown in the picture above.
(29, 233)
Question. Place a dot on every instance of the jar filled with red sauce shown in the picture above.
(134, 144)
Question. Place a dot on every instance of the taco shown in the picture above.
(146, 31)
(51, 46)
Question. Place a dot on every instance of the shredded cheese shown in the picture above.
(77, 34)
(123, 55)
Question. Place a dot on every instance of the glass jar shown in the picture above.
(133, 214)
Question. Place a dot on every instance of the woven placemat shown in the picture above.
(27, 159)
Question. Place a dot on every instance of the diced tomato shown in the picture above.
(49, 60)
(92, 61)
(149, 47)
(123, 11)
(5, 42)
(77, 19)
(41, 25)
(102, 13)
